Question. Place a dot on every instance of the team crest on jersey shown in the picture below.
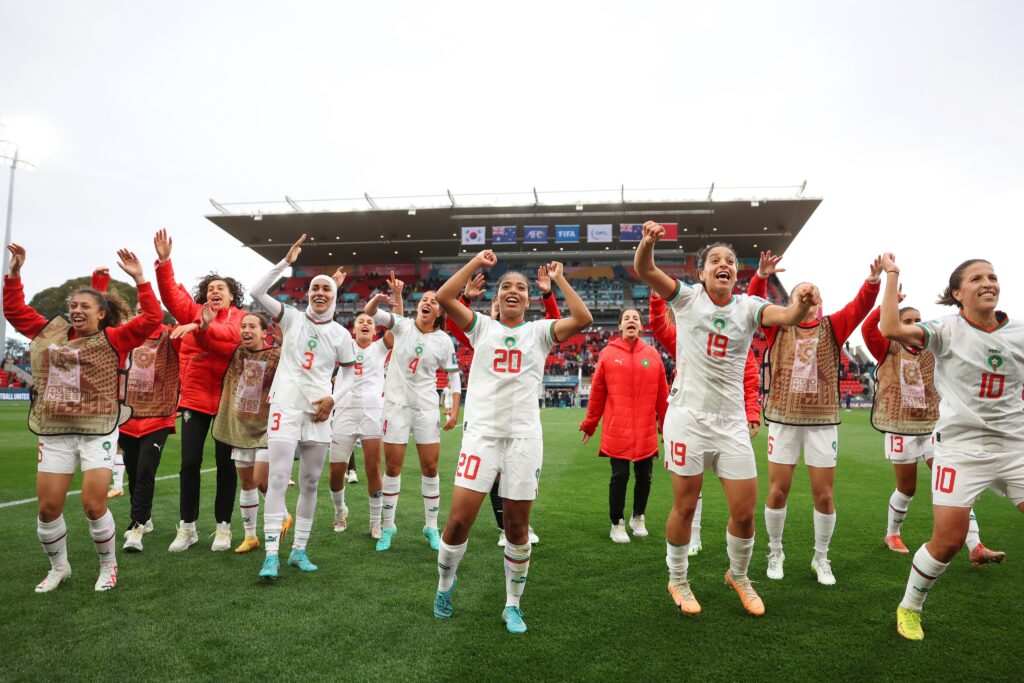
(995, 361)
(510, 342)
(645, 362)
(419, 349)
(718, 324)
(359, 358)
(106, 446)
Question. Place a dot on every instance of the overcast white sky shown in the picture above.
(906, 117)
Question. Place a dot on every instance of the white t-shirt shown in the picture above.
(711, 349)
(507, 371)
(980, 376)
(415, 359)
(309, 352)
(368, 378)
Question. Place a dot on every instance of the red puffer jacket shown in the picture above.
(630, 392)
(200, 369)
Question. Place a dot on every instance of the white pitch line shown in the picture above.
(12, 503)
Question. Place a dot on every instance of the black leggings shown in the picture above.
(498, 505)
(141, 459)
(643, 469)
(194, 426)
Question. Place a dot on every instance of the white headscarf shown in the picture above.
(329, 313)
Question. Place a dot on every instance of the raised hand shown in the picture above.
(806, 294)
(555, 270)
(543, 279)
(900, 296)
(395, 285)
(475, 287)
(382, 298)
(130, 264)
(163, 243)
(181, 330)
(876, 270)
(206, 315)
(294, 251)
(768, 264)
(339, 277)
(889, 262)
(653, 232)
(17, 259)
(486, 259)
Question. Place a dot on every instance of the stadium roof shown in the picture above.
(372, 230)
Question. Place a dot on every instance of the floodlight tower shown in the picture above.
(12, 155)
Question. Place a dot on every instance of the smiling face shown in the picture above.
(513, 296)
(719, 272)
(364, 329)
(85, 314)
(910, 316)
(630, 324)
(979, 289)
(428, 310)
(321, 295)
(253, 334)
(219, 294)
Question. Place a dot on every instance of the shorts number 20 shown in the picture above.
(469, 466)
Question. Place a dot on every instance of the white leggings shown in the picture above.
(311, 463)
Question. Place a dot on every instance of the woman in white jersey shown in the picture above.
(410, 405)
(358, 416)
(300, 405)
(705, 425)
(501, 431)
(979, 437)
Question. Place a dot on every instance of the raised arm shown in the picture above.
(547, 297)
(175, 297)
(890, 324)
(100, 279)
(767, 265)
(454, 329)
(664, 331)
(133, 333)
(579, 315)
(845, 321)
(20, 315)
(643, 262)
(214, 344)
(803, 300)
(448, 294)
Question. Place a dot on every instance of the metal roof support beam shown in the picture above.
(802, 188)
(711, 191)
(291, 203)
(369, 200)
(451, 198)
(217, 205)
(536, 199)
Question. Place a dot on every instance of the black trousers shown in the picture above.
(643, 469)
(194, 427)
(498, 505)
(141, 460)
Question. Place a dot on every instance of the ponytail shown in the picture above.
(955, 280)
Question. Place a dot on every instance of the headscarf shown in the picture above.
(327, 315)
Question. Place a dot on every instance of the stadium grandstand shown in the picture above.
(425, 238)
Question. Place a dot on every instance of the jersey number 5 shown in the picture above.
(717, 345)
(508, 360)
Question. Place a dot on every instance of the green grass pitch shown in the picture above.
(595, 610)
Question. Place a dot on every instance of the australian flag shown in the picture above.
(503, 234)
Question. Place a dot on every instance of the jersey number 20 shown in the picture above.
(508, 360)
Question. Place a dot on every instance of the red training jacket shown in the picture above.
(629, 391)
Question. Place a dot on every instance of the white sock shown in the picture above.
(188, 525)
(824, 525)
(303, 527)
(249, 507)
(517, 566)
(392, 485)
(376, 502)
(973, 533)
(54, 537)
(924, 572)
(739, 551)
(898, 506)
(118, 471)
(431, 489)
(338, 497)
(695, 524)
(272, 522)
(775, 521)
(102, 531)
(448, 558)
(677, 557)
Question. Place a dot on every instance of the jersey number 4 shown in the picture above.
(508, 360)
(717, 345)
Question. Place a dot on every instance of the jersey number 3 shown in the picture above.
(508, 360)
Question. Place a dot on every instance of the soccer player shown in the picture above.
(801, 408)
(358, 416)
(629, 392)
(301, 402)
(979, 437)
(243, 413)
(200, 373)
(905, 410)
(411, 405)
(704, 424)
(502, 430)
(77, 404)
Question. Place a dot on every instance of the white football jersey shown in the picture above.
(980, 377)
(368, 378)
(415, 359)
(507, 371)
(711, 349)
(309, 352)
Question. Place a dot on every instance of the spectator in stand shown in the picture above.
(630, 394)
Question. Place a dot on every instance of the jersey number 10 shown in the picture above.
(991, 385)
